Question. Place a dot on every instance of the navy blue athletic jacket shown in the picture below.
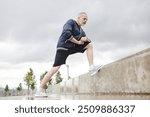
(70, 29)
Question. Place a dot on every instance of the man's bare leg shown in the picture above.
(48, 76)
(89, 53)
(92, 68)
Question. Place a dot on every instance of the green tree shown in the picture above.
(30, 80)
(19, 88)
(49, 83)
(58, 77)
(6, 89)
(33, 86)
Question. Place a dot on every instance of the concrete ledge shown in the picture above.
(130, 75)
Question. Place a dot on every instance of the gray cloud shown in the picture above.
(124, 23)
(29, 29)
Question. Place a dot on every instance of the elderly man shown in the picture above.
(72, 40)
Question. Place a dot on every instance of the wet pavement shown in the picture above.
(81, 97)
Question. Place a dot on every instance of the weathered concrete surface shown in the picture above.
(130, 75)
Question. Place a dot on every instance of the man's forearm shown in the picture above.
(73, 40)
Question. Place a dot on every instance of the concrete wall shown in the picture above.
(128, 75)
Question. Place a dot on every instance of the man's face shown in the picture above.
(82, 19)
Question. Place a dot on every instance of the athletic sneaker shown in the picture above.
(94, 68)
(40, 93)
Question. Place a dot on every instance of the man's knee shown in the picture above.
(89, 46)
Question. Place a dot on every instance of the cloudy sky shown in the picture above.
(29, 30)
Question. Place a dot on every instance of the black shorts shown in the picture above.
(62, 54)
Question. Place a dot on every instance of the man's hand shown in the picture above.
(80, 42)
(84, 39)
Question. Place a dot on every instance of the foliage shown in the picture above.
(58, 77)
(19, 88)
(29, 80)
(6, 89)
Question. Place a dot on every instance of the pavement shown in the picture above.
(81, 97)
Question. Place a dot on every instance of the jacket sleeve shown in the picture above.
(83, 34)
(67, 30)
